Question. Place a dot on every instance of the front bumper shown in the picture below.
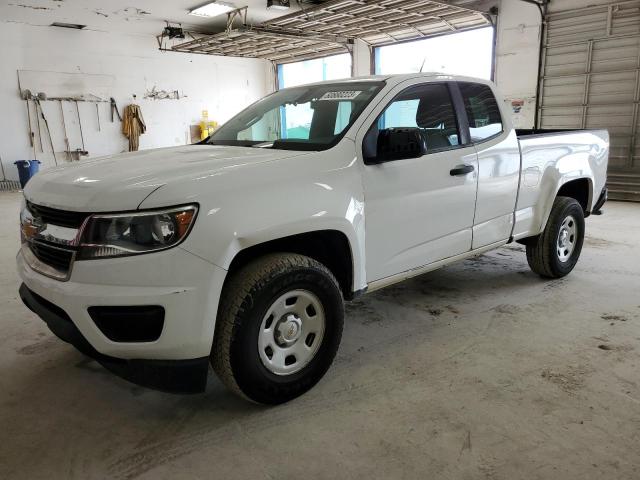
(176, 376)
(186, 286)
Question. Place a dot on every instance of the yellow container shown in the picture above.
(207, 127)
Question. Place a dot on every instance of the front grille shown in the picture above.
(54, 216)
(58, 258)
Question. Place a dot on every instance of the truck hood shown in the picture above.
(122, 182)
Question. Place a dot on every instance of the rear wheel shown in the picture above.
(279, 326)
(556, 251)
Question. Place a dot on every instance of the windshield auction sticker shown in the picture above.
(343, 95)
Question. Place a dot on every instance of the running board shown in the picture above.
(400, 277)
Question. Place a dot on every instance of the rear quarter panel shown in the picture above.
(550, 161)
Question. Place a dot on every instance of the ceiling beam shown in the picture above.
(298, 34)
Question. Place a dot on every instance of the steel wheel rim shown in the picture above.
(291, 332)
(567, 239)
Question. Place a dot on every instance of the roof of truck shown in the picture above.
(399, 78)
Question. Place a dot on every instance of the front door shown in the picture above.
(419, 210)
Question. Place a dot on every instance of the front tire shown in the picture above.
(279, 327)
(555, 252)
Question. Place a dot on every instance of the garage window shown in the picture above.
(317, 70)
(466, 53)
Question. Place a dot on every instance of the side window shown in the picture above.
(400, 114)
(482, 110)
(421, 114)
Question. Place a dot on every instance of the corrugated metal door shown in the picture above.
(591, 79)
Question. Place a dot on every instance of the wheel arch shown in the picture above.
(581, 190)
(330, 247)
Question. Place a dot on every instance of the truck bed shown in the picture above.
(528, 132)
(551, 159)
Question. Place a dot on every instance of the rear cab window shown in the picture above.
(483, 112)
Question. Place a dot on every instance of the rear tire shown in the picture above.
(279, 327)
(556, 251)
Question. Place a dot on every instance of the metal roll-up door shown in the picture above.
(591, 79)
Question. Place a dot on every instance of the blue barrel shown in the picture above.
(27, 169)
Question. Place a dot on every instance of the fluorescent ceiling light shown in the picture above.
(212, 9)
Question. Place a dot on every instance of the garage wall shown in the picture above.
(223, 86)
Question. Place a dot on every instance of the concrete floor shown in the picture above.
(479, 370)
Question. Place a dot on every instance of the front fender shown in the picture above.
(270, 201)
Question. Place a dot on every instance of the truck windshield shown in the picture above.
(311, 117)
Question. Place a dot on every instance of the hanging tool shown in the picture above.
(35, 105)
(26, 98)
(26, 95)
(114, 107)
(42, 96)
(64, 128)
(98, 116)
(80, 125)
(32, 135)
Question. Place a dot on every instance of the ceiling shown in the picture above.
(332, 26)
(132, 16)
(278, 35)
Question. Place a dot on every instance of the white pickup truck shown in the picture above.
(241, 250)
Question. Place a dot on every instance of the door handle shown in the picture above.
(461, 170)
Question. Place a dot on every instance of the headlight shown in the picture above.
(134, 233)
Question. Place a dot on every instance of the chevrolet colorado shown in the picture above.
(239, 251)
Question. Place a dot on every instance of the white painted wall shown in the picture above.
(223, 86)
(517, 54)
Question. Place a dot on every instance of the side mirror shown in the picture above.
(399, 144)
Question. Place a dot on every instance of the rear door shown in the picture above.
(418, 210)
(498, 164)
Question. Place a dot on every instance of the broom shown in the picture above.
(7, 185)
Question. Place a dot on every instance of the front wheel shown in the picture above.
(556, 251)
(279, 326)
